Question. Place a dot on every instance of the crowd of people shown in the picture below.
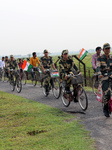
(101, 64)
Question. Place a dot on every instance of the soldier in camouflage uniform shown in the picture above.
(6, 68)
(104, 65)
(65, 67)
(46, 62)
(11, 65)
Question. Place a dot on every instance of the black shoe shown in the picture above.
(105, 110)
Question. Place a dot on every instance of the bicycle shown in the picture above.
(5, 77)
(36, 75)
(54, 83)
(77, 92)
(100, 94)
(23, 76)
(15, 81)
(95, 83)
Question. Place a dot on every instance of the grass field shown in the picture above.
(29, 125)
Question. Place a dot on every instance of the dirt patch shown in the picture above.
(2, 97)
(32, 133)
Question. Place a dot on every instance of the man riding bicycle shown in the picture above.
(6, 68)
(104, 66)
(65, 67)
(11, 65)
(46, 62)
(2, 66)
(33, 61)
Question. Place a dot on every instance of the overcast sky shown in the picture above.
(35, 25)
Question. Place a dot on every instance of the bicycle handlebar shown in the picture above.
(106, 75)
(47, 70)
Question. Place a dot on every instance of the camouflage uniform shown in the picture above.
(46, 63)
(12, 65)
(6, 68)
(104, 65)
(65, 67)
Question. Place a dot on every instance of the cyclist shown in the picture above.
(104, 65)
(33, 61)
(66, 64)
(2, 66)
(6, 69)
(11, 65)
(2, 63)
(95, 57)
(46, 62)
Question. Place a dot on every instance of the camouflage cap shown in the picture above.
(106, 45)
(11, 56)
(65, 52)
(45, 51)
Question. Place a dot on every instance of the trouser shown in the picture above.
(96, 74)
(32, 71)
(11, 75)
(6, 72)
(46, 79)
(67, 82)
(106, 90)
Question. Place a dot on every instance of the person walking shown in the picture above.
(104, 66)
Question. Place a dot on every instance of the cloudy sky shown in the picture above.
(35, 25)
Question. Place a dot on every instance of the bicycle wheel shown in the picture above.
(65, 97)
(18, 85)
(34, 81)
(2, 78)
(82, 98)
(5, 78)
(23, 80)
(95, 85)
(56, 88)
(44, 89)
(0, 74)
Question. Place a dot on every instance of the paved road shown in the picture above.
(93, 118)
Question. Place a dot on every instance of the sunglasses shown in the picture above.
(65, 54)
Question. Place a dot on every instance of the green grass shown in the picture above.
(29, 125)
(87, 88)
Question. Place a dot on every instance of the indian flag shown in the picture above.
(83, 54)
(25, 65)
(29, 67)
(55, 74)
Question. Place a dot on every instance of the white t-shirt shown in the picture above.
(2, 64)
